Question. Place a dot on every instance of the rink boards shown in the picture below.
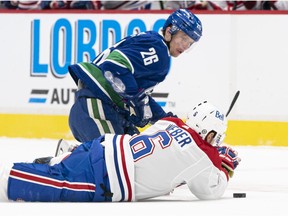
(55, 127)
(37, 92)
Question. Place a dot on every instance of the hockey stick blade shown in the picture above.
(233, 102)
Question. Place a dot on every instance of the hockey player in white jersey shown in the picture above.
(132, 168)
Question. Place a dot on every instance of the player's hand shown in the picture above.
(139, 122)
(230, 159)
(140, 111)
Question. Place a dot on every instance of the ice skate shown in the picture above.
(63, 147)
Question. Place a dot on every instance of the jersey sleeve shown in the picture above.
(209, 184)
(157, 110)
(118, 73)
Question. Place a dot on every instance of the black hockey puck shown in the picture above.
(239, 195)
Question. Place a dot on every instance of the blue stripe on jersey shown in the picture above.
(117, 168)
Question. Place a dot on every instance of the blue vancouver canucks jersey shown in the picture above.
(135, 64)
(145, 56)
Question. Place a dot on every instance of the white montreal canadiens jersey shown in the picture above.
(168, 156)
(162, 157)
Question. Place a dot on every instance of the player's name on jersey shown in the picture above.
(180, 135)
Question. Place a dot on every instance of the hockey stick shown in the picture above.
(161, 5)
(233, 102)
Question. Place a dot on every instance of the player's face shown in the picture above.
(180, 42)
(210, 137)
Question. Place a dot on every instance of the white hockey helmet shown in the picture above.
(206, 118)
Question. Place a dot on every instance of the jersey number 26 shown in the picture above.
(149, 57)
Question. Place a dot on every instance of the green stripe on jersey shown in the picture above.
(97, 75)
(117, 57)
(98, 117)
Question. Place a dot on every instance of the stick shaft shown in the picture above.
(233, 102)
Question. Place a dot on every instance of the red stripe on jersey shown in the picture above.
(125, 169)
(51, 182)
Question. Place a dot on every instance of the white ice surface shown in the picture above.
(262, 175)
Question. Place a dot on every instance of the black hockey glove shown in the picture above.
(131, 130)
(170, 114)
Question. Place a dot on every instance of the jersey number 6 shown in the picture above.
(144, 145)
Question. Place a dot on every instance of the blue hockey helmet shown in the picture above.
(184, 20)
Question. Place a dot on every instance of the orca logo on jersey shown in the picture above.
(181, 136)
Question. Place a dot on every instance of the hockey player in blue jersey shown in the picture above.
(114, 90)
(131, 168)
